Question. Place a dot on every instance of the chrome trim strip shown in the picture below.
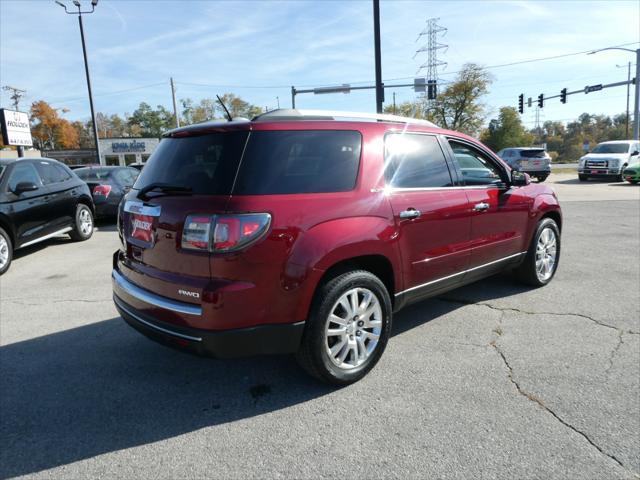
(131, 206)
(460, 273)
(423, 189)
(151, 325)
(46, 237)
(152, 299)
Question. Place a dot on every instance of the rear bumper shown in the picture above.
(231, 343)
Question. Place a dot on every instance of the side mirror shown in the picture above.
(24, 187)
(519, 179)
(633, 154)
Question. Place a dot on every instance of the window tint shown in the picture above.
(476, 168)
(415, 161)
(282, 162)
(66, 174)
(207, 163)
(23, 172)
(533, 153)
(50, 174)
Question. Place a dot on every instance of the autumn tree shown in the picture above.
(49, 131)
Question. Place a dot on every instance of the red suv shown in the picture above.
(302, 232)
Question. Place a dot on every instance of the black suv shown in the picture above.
(40, 198)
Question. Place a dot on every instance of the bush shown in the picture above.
(553, 155)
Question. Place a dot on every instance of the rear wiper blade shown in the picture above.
(164, 188)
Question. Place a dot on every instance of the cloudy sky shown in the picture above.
(258, 49)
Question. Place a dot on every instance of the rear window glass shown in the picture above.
(93, 174)
(533, 153)
(286, 162)
(206, 164)
(126, 176)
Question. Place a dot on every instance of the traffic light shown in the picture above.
(563, 95)
(521, 103)
(541, 100)
(431, 90)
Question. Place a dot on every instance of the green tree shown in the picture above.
(506, 131)
(150, 122)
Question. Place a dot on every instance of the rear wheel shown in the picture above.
(542, 178)
(347, 329)
(583, 178)
(620, 177)
(83, 228)
(541, 261)
(6, 251)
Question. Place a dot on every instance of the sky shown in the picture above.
(258, 49)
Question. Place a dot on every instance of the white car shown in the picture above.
(608, 159)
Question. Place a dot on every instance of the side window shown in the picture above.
(49, 173)
(476, 167)
(66, 175)
(23, 172)
(415, 161)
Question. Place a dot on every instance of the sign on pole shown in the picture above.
(419, 85)
(15, 128)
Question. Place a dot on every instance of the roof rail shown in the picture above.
(289, 114)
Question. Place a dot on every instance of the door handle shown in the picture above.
(410, 213)
(481, 207)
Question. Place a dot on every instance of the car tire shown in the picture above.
(620, 177)
(583, 178)
(633, 182)
(536, 269)
(83, 227)
(542, 178)
(339, 345)
(6, 251)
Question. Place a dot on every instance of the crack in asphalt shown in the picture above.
(526, 312)
(613, 352)
(539, 402)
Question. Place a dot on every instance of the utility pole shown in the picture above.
(626, 130)
(173, 96)
(16, 95)
(79, 13)
(394, 103)
(376, 41)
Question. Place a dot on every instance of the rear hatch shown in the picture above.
(186, 177)
(534, 158)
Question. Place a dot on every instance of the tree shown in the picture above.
(506, 131)
(238, 107)
(151, 123)
(459, 107)
(49, 131)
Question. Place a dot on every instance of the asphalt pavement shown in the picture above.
(493, 380)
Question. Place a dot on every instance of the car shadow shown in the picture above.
(36, 247)
(576, 181)
(103, 387)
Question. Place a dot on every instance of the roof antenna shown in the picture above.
(225, 108)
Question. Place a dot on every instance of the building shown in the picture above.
(113, 151)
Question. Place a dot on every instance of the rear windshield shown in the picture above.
(274, 162)
(206, 164)
(93, 174)
(611, 148)
(533, 153)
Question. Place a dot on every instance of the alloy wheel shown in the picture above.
(86, 222)
(4, 251)
(546, 253)
(353, 328)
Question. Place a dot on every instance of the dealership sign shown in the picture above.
(15, 128)
(126, 147)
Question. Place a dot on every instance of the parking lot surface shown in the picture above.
(492, 380)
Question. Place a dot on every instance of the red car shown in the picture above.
(303, 232)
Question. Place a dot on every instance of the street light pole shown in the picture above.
(86, 65)
(636, 102)
(376, 40)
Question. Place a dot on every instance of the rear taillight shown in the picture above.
(103, 190)
(224, 233)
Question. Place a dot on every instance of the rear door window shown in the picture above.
(207, 164)
(415, 161)
(287, 162)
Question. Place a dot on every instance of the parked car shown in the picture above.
(40, 198)
(534, 161)
(108, 185)
(297, 232)
(632, 173)
(609, 159)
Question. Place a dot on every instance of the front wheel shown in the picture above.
(583, 178)
(620, 177)
(6, 251)
(347, 329)
(541, 261)
(542, 178)
(83, 228)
